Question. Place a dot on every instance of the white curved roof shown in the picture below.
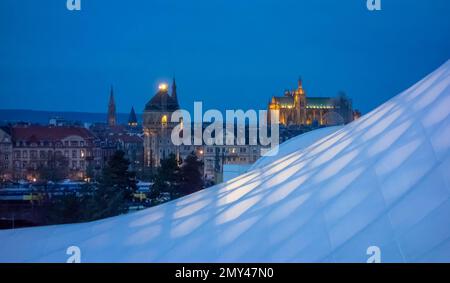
(382, 181)
(294, 145)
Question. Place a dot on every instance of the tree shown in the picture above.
(92, 172)
(191, 175)
(115, 188)
(167, 178)
(65, 209)
(109, 197)
(2, 175)
(71, 207)
(343, 105)
(55, 170)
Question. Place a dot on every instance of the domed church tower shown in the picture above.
(157, 126)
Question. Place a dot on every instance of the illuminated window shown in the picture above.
(164, 120)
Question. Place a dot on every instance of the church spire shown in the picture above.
(174, 89)
(300, 90)
(111, 109)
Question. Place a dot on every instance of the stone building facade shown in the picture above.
(6, 152)
(34, 147)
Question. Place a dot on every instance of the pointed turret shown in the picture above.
(300, 89)
(111, 109)
(174, 90)
(132, 119)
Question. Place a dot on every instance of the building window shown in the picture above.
(25, 154)
(33, 154)
(74, 154)
(164, 120)
(17, 154)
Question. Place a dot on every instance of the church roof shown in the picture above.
(284, 100)
(319, 102)
(48, 133)
(162, 101)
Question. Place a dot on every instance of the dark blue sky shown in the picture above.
(229, 53)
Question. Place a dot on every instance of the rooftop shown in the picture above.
(48, 133)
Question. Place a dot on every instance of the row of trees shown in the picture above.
(107, 197)
(113, 192)
(177, 179)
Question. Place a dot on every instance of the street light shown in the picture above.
(200, 151)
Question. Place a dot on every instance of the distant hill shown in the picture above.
(42, 117)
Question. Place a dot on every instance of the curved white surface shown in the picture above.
(295, 144)
(382, 181)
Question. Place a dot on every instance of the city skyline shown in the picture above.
(209, 133)
(69, 64)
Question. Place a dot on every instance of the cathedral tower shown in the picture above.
(300, 104)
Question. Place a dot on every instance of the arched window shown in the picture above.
(164, 120)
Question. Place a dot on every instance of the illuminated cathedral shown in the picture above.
(295, 108)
